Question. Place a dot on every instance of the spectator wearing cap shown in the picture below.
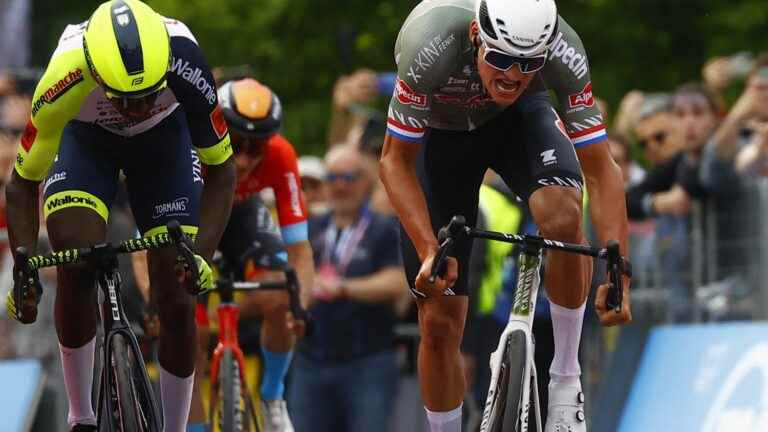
(345, 373)
(312, 173)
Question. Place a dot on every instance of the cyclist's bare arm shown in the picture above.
(398, 174)
(609, 215)
(216, 204)
(22, 212)
(301, 259)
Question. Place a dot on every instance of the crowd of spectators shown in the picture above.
(693, 169)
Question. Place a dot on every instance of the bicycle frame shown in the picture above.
(228, 313)
(114, 320)
(520, 318)
(522, 312)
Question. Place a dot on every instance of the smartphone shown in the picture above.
(386, 83)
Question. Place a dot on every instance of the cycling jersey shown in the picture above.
(438, 85)
(68, 91)
(279, 170)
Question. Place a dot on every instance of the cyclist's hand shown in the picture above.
(297, 326)
(438, 288)
(28, 289)
(204, 274)
(609, 317)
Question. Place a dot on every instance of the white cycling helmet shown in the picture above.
(522, 28)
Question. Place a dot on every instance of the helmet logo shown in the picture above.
(137, 81)
(123, 19)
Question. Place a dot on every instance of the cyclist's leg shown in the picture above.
(249, 222)
(552, 184)
(77, 195)
(451, 169)
(164, 183)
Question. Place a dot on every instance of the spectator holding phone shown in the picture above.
(351, 94)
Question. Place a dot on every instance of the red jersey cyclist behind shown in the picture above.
(265, 159)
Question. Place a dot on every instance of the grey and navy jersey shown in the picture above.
(438, 85)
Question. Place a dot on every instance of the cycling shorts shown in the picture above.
(526, 145)
(162, 171)
(249, 222)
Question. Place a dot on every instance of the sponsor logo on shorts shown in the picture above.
(575, 61)
(197, 168)
(56, 177)
(67, 200)
(58, 89)
(177, 207)
(560, 181)
(583, 98)
(194, 76)
(407, 96)
(548, 157)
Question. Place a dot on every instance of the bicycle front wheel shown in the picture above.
(232, 413)
(123, 404)
(504, 408)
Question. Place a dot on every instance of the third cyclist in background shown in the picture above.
(472, 94)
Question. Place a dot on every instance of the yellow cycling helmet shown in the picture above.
(127, 49)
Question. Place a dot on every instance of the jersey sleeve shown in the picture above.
(57, 100)
(420, 58)
(567, 74)
(192, 82)
(286, 183)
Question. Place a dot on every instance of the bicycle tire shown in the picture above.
(125, 405)
(232, 412)
(515, 409)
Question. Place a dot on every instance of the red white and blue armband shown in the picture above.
(405, 132)
(589, 136)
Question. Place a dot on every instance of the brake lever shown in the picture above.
(185, 249)
(615, 272)
(298, 311)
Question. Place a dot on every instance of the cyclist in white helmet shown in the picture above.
(472, 94)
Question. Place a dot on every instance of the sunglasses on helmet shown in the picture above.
(502, 61)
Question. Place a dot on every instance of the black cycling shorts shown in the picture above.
(249, 223)
(162, 173)
(526, 145)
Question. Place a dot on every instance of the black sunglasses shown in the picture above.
(658, 137)
(347, 177)
(502, 61)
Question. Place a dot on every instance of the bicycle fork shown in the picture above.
(516, 336)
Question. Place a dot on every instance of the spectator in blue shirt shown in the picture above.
(345, 373)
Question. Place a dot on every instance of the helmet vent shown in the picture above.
(485, 21)
(127, 35)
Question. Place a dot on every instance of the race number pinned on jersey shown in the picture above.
(583, 98)
(407, 96)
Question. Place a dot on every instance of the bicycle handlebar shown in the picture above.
(174, 236)
(617, 265)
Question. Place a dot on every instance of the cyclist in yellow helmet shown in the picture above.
(128, 90)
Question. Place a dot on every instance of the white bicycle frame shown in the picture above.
(520, 318)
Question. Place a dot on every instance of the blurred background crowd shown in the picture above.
(683, 90)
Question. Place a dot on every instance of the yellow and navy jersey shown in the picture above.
(68, 91)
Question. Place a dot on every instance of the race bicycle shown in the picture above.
(231, 401)
(513, 395)
(126, 401)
